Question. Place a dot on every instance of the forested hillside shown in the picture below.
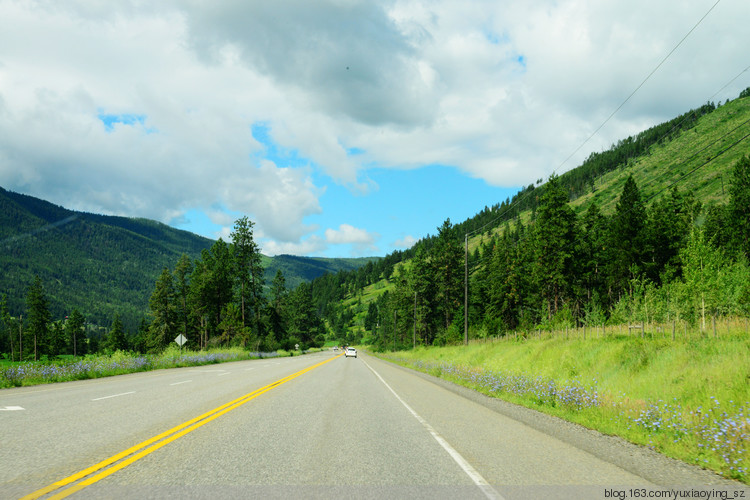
(105, 266)
(654, 228)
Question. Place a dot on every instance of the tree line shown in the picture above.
(673, 260)
(219, 299)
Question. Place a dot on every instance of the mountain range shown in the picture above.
(103, 265)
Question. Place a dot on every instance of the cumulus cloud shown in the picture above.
(405, 242)
(503, 91)
(362, 240)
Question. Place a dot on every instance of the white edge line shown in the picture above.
(470, 471)
(114, 396)
(183, 382)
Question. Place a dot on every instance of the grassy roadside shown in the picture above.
(687, 399)
(118, 363)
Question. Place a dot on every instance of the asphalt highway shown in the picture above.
(314, 426)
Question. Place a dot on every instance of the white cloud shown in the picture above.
(312, 245)
(405, 242)
(361, 240)
(503, 91)
(349, 234)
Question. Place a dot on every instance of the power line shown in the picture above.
(483, 260)
(639, 86)
(517, 200)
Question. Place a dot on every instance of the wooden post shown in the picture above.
(466, 294)
(713, 320)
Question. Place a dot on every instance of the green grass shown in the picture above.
(689, 399)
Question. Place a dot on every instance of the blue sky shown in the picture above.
(399, 207)
(340, 128)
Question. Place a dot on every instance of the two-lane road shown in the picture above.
(346, 427)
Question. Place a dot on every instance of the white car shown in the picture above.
(350, 351)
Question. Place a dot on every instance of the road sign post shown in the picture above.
(180, 341)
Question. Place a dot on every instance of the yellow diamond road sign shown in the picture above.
(180, 340)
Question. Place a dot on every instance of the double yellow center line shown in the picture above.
(97, 472)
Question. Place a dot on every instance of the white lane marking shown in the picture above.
(183, 382)
(12, 408)
(248, 369)
(114, 396)
(222, 374)
(470, 471)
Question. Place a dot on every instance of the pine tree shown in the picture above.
(739, 206)
(249, 271)
(554, 237)
(163, 328)
(6, 331)
(39, 317)
(420, 292)
(303, 322)
(277, 307)
(116, 339)
(591, 253)
(74, 332)
(626, 240)
(182, 293)
(669, 224)
(57, 340)
(448, 272)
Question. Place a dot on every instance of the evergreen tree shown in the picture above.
(626, 240)
(669, 224)
(591, 253)
(57, 340)
(448, 271)
(6, 331)
(75, 334)
(140, 340)
(419, 290)
(163, 327)
(116, 339)
(277, 307)
(738, 209)
(371, 318)
(218, 281)
(182, 293)
(716, 225)
(554, 233)
(199, 299)
(249, 271)
(303, 322)
(39, 317)
(231, 330)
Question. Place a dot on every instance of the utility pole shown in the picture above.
(466, 289)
